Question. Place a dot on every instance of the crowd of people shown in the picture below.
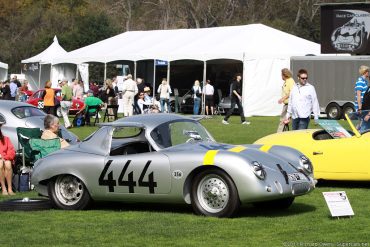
(13, 89)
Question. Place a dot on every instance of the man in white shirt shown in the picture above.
(129, 90)
(302, 101)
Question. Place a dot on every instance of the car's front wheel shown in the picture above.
(68, 192)
(214, 193)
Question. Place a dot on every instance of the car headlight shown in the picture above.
(306, 164)
(258, 170)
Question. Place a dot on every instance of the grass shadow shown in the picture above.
(343, 184)
(294, 209)
(141, 207)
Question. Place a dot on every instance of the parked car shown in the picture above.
(36, 100)
(168, 158)
(336, 154)
(19, 114)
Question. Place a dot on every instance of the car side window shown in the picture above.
(129, 140)
(126, 132)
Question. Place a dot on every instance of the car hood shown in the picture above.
(269, 155)
(288, 138)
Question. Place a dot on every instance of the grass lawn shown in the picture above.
(306, 223)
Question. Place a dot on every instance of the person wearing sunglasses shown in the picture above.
(302, 102)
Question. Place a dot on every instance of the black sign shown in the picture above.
(345, 28)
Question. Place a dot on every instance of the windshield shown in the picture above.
(27, 111)
(179, 132)
(360, 121)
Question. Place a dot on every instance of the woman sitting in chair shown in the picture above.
(51, 125)
(7, 155)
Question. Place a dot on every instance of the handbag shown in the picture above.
(286, 127)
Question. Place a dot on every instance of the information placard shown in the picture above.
(334, 128)
(338, 203)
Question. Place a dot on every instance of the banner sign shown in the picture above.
(338, 203)
(161, 63)
(345, 28)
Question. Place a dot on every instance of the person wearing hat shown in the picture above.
(90, 100)
(7, 156)
(66, 102)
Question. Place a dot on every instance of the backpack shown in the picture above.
(79, 120)
(366, 100)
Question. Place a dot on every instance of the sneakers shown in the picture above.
(245, 122)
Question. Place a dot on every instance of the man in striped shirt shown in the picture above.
(361, 86)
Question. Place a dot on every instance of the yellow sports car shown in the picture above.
(336, 153)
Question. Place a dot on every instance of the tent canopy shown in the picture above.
(233, 42)
(47, 56)
(3, 65)
(263, 50)
(3, 71)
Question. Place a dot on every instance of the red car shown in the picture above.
(36, 100)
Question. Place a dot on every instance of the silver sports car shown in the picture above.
(18, 114)
(169, 158)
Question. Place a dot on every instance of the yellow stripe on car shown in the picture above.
(237, 149)
(209, 157)
(265, 148)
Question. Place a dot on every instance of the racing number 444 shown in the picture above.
(130, 182)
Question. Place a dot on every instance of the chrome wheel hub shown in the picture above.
(213, 193)
(68, 189)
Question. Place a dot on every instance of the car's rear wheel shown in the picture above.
(68, 192)
(333, 111)
(214, 193)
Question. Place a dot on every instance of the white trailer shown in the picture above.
(334, 78)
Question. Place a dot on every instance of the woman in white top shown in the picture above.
(197, 94)
(164, 91)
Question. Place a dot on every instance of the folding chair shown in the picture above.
(107, 113)
(44, 147)
(24, 149)
(96, 113)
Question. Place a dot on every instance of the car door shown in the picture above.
(133, 167)
(340, 159)
(143, 173)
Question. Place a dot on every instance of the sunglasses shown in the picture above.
(303, 78)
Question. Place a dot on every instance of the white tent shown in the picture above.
(3, 71)
(263, 50)
(39, 68)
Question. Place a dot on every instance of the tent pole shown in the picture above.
(40, 76)
(105, 71)
(154, 79)
(244, 86)
(51, 74)
(168, 72)
(77, 71)
(135, 64)
(203, 84)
